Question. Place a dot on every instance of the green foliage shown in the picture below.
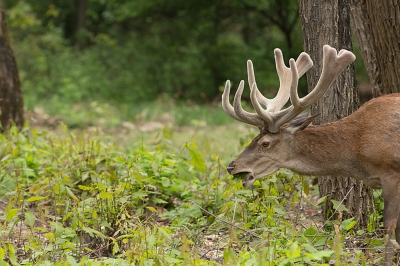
(136, 51)
(77, 199)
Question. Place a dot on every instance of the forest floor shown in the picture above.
(217, 139)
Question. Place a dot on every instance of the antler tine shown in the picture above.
(230, 110)
(303, 62)
(333, 64)
(249, 118)
(272, 115)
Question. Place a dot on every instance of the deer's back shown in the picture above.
(377, 123)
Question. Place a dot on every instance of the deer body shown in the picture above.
(356, 146)
(364, 145)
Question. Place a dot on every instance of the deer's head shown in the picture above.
(271, 149)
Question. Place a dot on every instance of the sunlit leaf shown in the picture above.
(115, 248)
(152, 209)
(11, 214)
(293, 251)
(84, 187)
(35, 198)
(105, 195)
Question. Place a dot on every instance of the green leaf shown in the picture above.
(165, 182)
(11, 214)
(322, 200)
(151, 240)
(71, 260)
(11, 254)
(338, 207)
(91, 231)
(294, 251)
(197, 159)
(115, 248)
(71, 194)
(139, 194)
(35, 198)
(105, 195)
(172, 261)
(3, 263)
(152, 209)
(306, 186)
(348, 224)
(320, 254)
(157, 200)
(30, 218)
(310, 232)
(84, 187)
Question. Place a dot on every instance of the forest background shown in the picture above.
(112, 186)
(127, 53)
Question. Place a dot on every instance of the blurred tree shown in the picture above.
(81, 22)
(377, 28)
(328, 22)
(11, 101)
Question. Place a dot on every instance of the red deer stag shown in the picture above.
(364, 145)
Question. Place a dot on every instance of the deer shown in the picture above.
(364, 145)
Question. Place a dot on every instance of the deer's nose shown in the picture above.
(230, 167)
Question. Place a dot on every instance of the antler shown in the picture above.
(272, 118)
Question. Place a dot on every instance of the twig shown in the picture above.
(345, 197)
(222, 220)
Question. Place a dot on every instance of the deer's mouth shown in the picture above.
(246, 177)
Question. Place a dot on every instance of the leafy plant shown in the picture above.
(75, 198)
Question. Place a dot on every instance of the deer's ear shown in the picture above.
(299, 123)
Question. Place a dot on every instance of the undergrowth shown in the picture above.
(76, 199)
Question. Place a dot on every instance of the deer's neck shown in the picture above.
(323, 150)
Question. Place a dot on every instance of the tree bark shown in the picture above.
(11, 101)
(377, 28)
(328, 22)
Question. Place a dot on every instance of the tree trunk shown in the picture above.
(377, 28)
(362, 30)
(328, 22)
(11, 101)
(81, 37)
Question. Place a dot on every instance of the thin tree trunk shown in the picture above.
(81, 38)
(328, 22)
(377, 28)
(362, 30)
(11, 101)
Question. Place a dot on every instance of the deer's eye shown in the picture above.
(265, 144)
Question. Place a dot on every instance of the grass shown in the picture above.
(115, 193)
